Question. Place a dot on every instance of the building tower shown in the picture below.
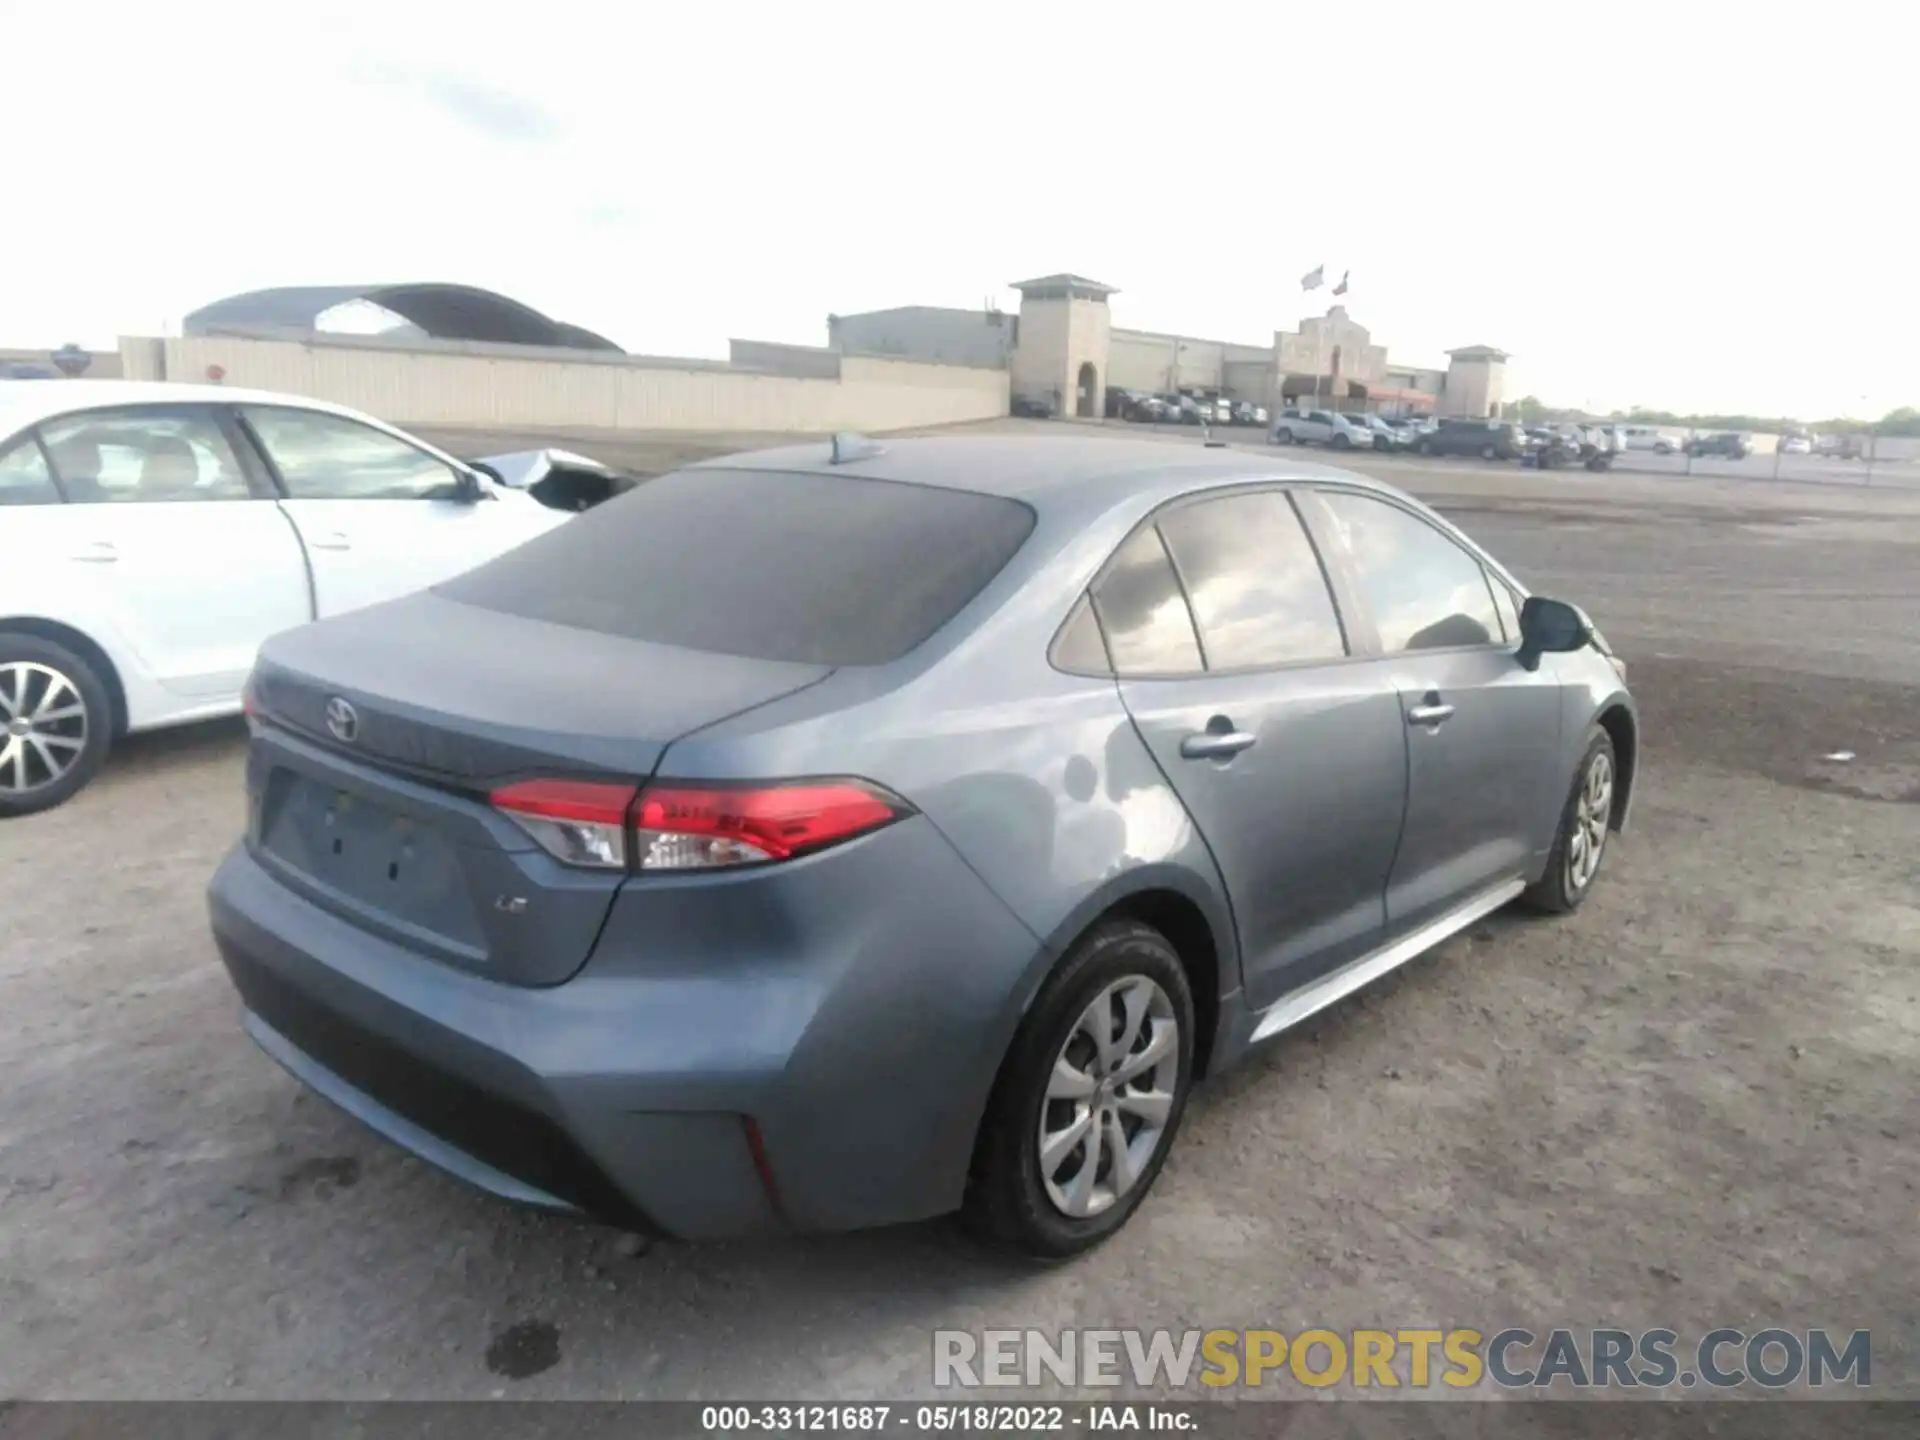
(1061, 357)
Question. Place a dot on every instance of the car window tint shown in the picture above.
(1256, 587)
(1142, 612)
(24, 477)
(1423, 590)
(1080, 648)
(146, 455)
(809, 568)
(329, 457)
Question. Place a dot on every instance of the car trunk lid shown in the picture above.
(382, 733)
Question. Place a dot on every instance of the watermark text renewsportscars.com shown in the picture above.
(1511, 1358)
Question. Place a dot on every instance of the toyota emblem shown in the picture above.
(343, 720)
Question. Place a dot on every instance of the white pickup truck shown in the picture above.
(152, 535)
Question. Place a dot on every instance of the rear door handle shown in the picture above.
(96, 552)
(1215, 744)
(334, 540)
(1430, 713)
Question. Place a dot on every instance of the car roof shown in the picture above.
(1054, 474)
(27, 402)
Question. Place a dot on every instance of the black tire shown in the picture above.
(1341, 442)
(1487, 452)
(1283, 436)
(1426, 449)
(1556, 892)
(1006, 1201)
(95, 728)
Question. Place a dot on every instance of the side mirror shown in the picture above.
(1549, 627)
(470, 489)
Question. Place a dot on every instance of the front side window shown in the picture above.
(1258, 594)
(24, 476)
(329, 457)
(1423, 590)
(1145, 618)
(144, 455)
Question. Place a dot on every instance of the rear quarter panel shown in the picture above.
(1037, 778)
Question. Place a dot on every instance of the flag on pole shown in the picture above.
(1314, 278)
(1341, 288)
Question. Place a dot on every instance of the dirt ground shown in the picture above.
(1692, 1105)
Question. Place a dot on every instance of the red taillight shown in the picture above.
(605, 826)
(581, 822)
(687, 827)
(249, 702)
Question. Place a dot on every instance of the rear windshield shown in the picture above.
(813, 569)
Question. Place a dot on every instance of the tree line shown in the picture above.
(1905, 421)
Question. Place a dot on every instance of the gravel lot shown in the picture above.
(1692, 1105)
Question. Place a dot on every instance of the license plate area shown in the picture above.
(369, 859)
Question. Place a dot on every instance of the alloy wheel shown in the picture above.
(43, 726)
(1591, 812)
(1109, 1097)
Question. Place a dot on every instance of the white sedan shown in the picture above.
(152, 535)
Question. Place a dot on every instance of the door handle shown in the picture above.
(96, 552)
(1215, 744)
(334, 540)
(1430, 712)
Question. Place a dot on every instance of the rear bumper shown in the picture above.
(635, 1093)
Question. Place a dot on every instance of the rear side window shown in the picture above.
(1080, 649)
(24, 477)
(1148, 627)
(144, 455)
(1258, 594)
(807, 568)
(1423, 590)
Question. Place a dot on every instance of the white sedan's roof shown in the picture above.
(27, 402)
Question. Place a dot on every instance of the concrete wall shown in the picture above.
(778, 359)
(1089, 341)
(1252, 381)
(931, 333)
(1148, 360)
(1039, 364)
(511, 388)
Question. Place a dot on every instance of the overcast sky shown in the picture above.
(1701, 207)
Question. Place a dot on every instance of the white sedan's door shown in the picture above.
(164, 542)
(381, 517)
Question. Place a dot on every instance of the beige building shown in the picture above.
(1065, 338)
(1064, 352)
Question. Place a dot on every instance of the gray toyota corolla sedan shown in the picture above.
(858, 832)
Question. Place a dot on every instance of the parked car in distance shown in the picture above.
(1032, 407)
(1209, 408)
(558, 479)
(1489, 439)
(1796, 445)
(1645, 437)
(1134, 405)
(1247, 413)
(1385, 436)
(1295, 426)
(1842, 447)
(155, 535)
(1727, 444)
(821, 904)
